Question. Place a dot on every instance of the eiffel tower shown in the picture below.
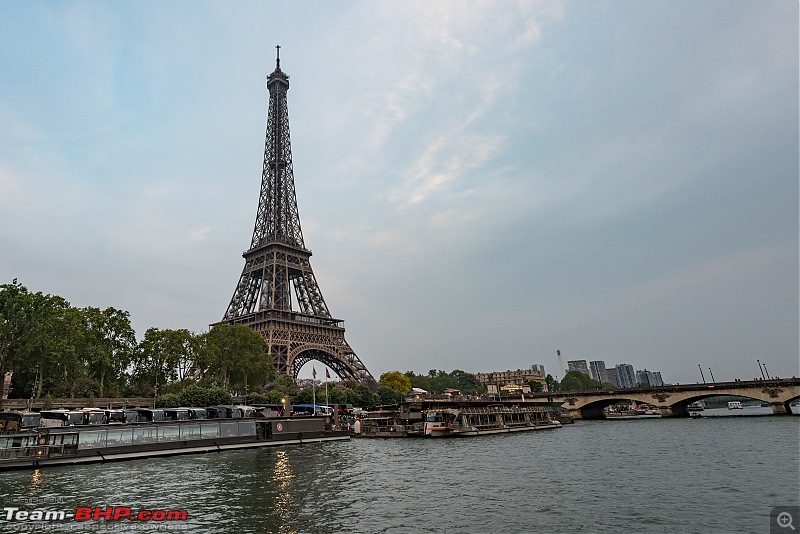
(277, 267)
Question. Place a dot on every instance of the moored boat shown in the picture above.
(60, 445)
(484, 420)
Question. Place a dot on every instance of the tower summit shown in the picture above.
(277, 294)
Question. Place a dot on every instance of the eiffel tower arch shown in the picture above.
(277, 294)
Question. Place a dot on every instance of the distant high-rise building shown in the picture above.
(539, 367)
(642, 378)
(598, 370)
(579, 365)
(655, 379)
(626, 378)
(611, 374)
(649, 378)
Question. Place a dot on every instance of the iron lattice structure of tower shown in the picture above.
(277, 266)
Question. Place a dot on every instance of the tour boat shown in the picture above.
(483, 420)
(41, 446)
(735, 405)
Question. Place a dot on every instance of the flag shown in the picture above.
(313, 372)
(327, 374)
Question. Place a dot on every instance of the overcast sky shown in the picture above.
(481, 183)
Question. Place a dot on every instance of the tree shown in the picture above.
(194, 395)
(361, 397)
(387, 395)
(157, 358)
(467, 383)
(419, 381)
(395, 380)
(235, 355)
(37, 359)
(577, 381)
(536, 385)
(14, 312)
(71, 346)
(113, 343)
(552, 383)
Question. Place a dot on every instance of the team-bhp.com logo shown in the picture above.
(94, 513)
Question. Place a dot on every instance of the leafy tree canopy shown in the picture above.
(396, 380)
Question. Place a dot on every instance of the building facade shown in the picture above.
(649, 378)
(519, 377)
(580, 366)
(611, 374)
(598, 370)
(626, 378)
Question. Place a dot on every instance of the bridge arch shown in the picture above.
(673, 401)
(307, 353)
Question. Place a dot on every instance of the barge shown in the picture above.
(65, 445)
(479, 421)
(443, 417)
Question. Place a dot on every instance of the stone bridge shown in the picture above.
(673, 401)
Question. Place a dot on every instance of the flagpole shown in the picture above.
(314, 391)
(327, 376)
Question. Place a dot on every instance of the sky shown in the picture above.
(481, 184)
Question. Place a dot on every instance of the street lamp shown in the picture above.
(760, 369)
(712, 375)
(767, 371)
(701, 373)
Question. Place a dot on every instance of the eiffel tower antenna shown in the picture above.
(277, 294)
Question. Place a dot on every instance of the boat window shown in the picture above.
(75, 418)
(116, 417)
(168, 433)
(247, 428)
(31, 420)
(92, 439)
(120, 437)
(210, 430)
(5, 443)
(229, 429)
(190, 432)
(144, 435)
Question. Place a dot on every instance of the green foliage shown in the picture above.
(235, 357)
(169, 400)
(51, 346)
(270, 397)
(362, 397)
(200, 397)
(577, 381)
(439, 381)
(536, 385)
(396, 380)
(47, 402)
(387, 395)
(552, 383)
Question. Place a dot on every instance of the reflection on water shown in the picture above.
(36, 482)
(284, 503)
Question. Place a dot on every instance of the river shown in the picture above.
(713, 474)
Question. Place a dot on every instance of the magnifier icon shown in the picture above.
(785, 520)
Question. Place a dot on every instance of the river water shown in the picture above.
(713, 474)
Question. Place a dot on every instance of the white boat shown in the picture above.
(735, 405)
(697, 406)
